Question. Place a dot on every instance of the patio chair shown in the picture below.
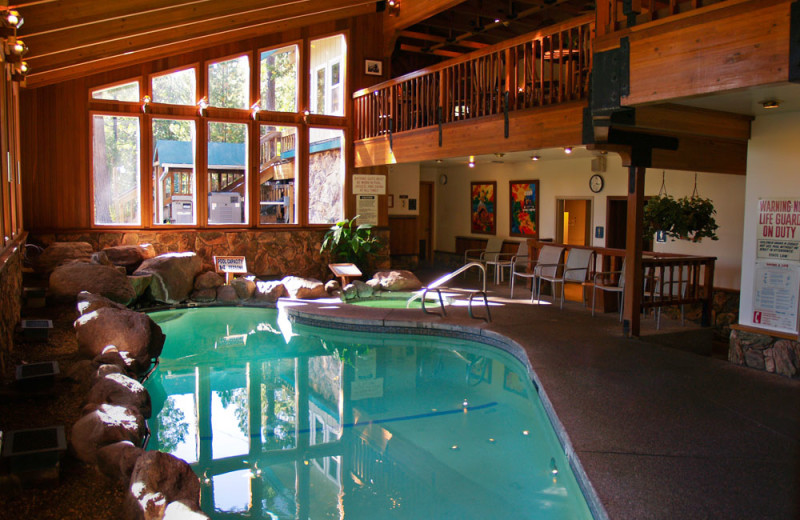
(487, 256)
(549, 256)
(673, 286)
(574, 270)
(604, 281)
(502, 261)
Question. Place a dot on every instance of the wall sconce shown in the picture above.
(770, 103)
(568, 150)
(393, 7)
(305, 116)
(146, 104)
(17, 49)
(10, 21)
(18, 72)
(202, 106)
(254, 110)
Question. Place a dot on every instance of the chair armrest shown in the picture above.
(468, 251)
(600, 275)
(538, 267)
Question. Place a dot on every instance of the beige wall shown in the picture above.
(773, 160)
(403, 180)
(569, 178)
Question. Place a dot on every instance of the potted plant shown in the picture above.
(347, 243)
(687, 218)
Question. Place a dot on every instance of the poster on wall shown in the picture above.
(775, 296)
(524, 206)
(483, 207)
(778, 232)
(367, 209)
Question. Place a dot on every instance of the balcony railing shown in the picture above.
(611, 16)
(539, 69)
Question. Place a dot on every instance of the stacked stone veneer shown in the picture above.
(10, 301)
(269, 253)
(765, 352)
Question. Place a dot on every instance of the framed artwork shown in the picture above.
(373, 67)
(524, 208)
(483, 207)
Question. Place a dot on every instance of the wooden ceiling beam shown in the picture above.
(410, 12)
(50, 70)
(438, 52)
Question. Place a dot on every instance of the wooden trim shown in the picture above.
(766, 332)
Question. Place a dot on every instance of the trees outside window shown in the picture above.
(278, 79)
(116, 170)
(123, 92)
(175, 88)
(229, 83)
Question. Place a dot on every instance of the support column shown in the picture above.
(633, 253)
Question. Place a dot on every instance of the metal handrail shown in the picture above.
(446, 278)
(437, 285)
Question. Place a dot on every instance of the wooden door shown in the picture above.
(617, 224)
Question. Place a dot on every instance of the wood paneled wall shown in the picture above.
(56, 163)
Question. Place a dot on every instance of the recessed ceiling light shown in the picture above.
(770, 103)
(568, 150)
(535, 157)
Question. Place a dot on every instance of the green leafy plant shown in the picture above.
(347, 243)
(690, 218)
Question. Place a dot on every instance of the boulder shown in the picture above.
(244, 288)
(375, 284)
(332, 286)
(183, 510)
(204, 295)
(116, 461)
(208, 280)
(399, 280)
(173, 275)
(58, 253)
(103, 425)
(90, 302)
(363, 290)
(140, 283)
(350, 292)
(130, 257)
(105, 370)
(227, 294)
(304, 288)
(270, 291)
(128, 331)
(112, 356)
(121, 390)
(68, 280)
(158, 479)
(100, 258)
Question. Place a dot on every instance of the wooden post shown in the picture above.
(633, 252)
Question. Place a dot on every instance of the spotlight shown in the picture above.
(535, 157)
(146, 104)
(568, 150)
(770, 103)
(471, 161)
(202, 106)
(12, 19)
(255, 109)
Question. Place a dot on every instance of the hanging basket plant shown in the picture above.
(688, 218)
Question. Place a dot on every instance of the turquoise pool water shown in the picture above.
(302, 422)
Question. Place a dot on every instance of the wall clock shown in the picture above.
(596, 183)
(442, 179)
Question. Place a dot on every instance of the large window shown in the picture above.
(116, 170)
(325, 176)
(229, 83)
(277, 172)
(123, 92)
(174, 179)
(227, 173)
(175, 88)
(278, 79)
(328, 75)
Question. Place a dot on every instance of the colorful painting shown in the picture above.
(483, 208)
(524, 208)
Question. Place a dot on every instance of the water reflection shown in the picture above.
(326, 425)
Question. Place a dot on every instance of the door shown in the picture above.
(425, 222)
(617, 222)
(574, 221)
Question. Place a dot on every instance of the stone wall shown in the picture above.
(269, 254)
(765, 352)
(10, 302)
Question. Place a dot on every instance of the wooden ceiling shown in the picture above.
(73, 38)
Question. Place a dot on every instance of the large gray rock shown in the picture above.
(68, 280)
(270, 291)
(140, 283)
(159, 479)
(173, 275)
(332, 286)
(244, 288)
(183, 510)
(204, 295)
(304, 288)
(130, 257)
(208, 280)
(90, 302)
(363, 290)
(399, 280)
(227, 294)
(58, 253)
(104, 425)
(116, 461)
(128, 331)
(121, 390)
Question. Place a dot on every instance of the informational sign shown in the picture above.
(345, 272)
(230, 264)
(775, 300)
(367, 209)
(369, 184)
(778, 235)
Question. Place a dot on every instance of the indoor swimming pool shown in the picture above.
(289, 421)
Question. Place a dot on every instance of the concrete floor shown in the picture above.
(660, 432)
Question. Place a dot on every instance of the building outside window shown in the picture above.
(328, 75)
(174, 167)
(116, 171)
(325, 176)
(277, 174)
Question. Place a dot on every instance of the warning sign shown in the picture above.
(778, 232)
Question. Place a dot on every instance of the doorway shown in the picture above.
(617, 224)
(574, 221)
(425, 222)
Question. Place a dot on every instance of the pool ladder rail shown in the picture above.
(439, 284)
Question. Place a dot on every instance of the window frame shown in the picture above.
(307, 173)
(137, 80)
(206, 90)
(298, 179)
(248, 172)
(197, 159)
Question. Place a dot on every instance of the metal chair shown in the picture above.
(608, 281)
(487, 256)
(573, 271)
(502, 261)
(548, 257)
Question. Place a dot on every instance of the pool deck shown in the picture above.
(660, 432)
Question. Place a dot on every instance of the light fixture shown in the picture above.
(305, 116)
(567, 150)
(393, 7)
(146, 104)
(19, 72)
(202, 106)
(255, 109)
(12, 19)
(535, 157)
(770, 103)
(471, 163)
(17, 49)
